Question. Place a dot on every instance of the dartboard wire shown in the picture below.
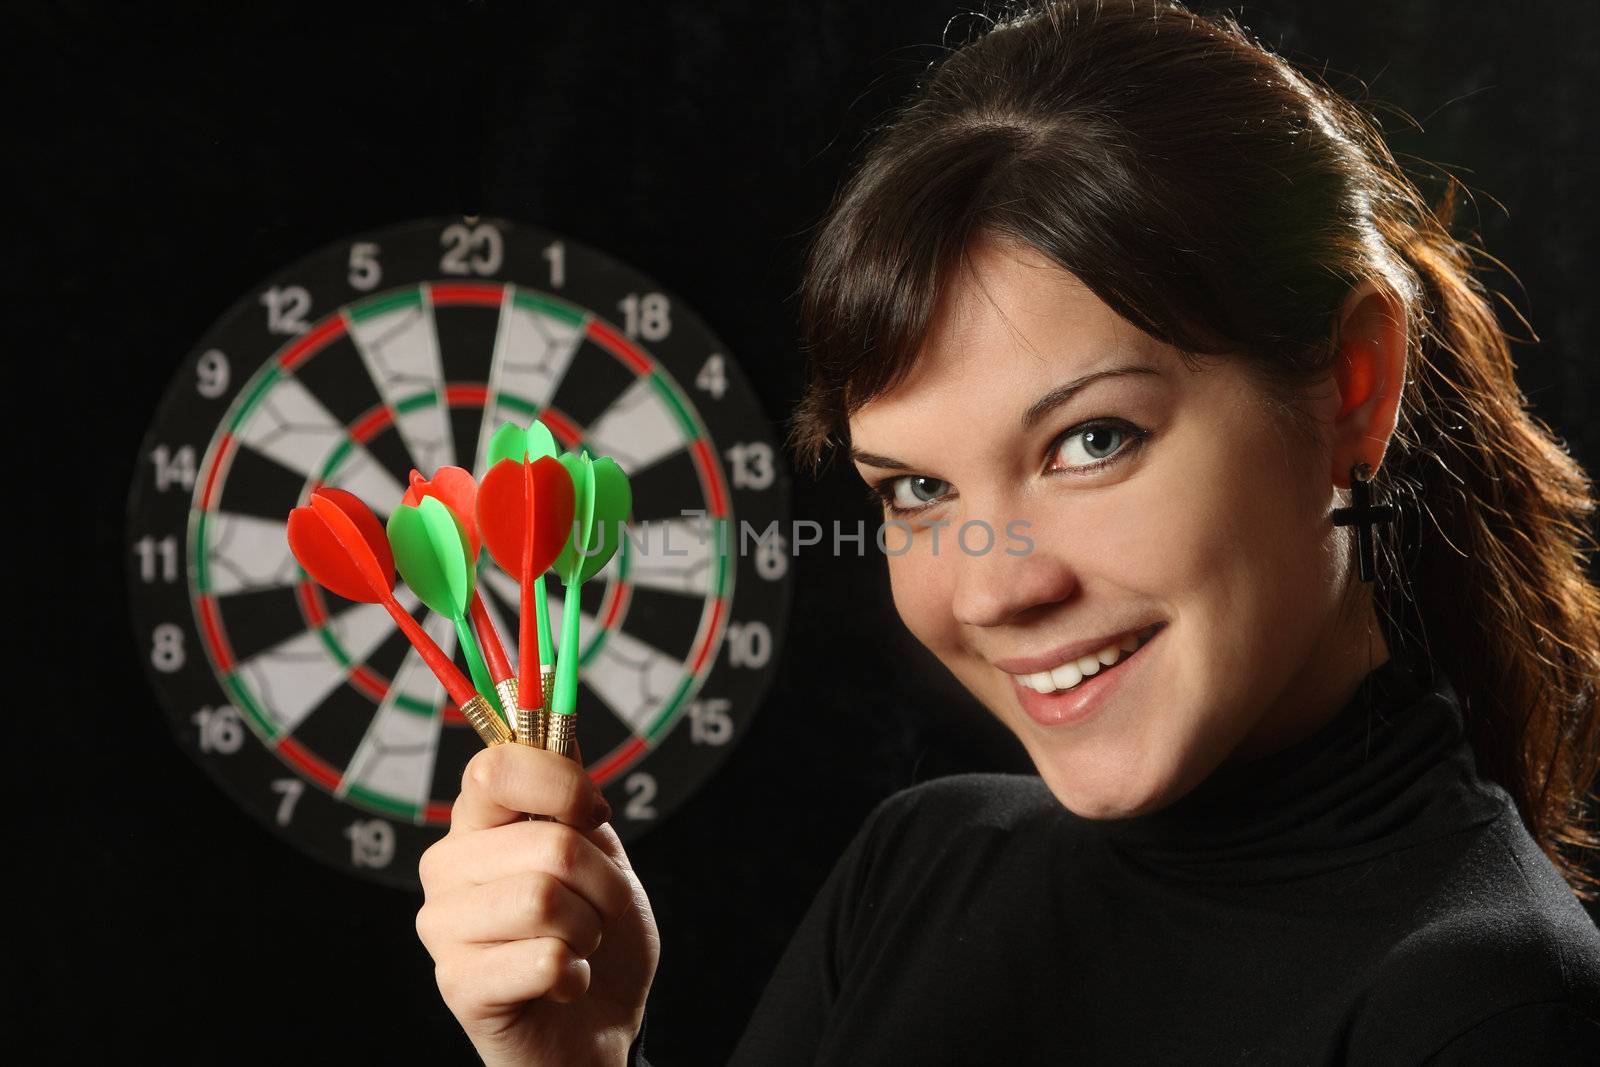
(436, 708)
(613, 609)
(393, 702)
(426, 292)
(543, 341)
(719, 515)
(347, 782)
(713, 622)
(216, 465)
(377, 419)
(615, 597)
(387, 386)
(502, 343)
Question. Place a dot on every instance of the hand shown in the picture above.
(543, 941)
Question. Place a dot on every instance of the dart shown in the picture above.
(433, 555)
(525, 516)
(535, 442)
(455, 488)
(341, 545)
(601, 501)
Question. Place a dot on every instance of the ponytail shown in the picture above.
(1491, 581)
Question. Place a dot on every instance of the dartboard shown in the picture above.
(404, 349)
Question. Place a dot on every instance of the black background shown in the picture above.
(172, 155)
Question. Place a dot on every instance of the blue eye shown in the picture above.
(1103, 443)
(909, 492)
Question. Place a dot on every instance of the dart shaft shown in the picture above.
(477, 668)
(454, 683)
(566, 695)
(530, 650)
(541, 605)
(494, 653)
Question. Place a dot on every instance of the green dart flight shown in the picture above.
(602, 500)
(433, 555)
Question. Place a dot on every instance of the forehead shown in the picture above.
(1010, 321)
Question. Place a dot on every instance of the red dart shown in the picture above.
(525, 516)
(341, 544)
(454, 487)
(320, 553)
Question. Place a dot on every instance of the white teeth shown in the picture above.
(1070, 674)
(1066, 676)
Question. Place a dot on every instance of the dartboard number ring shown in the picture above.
(404, 348)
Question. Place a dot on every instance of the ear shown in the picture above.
(1369, 339)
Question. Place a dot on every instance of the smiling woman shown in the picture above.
(1121, 278)
(1124, 284)
(1144, 490)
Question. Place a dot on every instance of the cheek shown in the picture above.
(921, 592)
(1232, 548)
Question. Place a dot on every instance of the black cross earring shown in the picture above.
(1363, 514)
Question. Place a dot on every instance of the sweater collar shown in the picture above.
(1391, 768)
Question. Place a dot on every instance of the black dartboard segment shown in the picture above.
(405, 348)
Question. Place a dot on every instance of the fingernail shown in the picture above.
(601, 812)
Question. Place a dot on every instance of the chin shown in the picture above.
(1100, 793)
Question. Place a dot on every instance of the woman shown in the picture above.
(1129, 293)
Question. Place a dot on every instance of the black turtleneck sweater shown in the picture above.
(1361, 897)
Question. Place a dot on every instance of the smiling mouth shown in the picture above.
(1070, 674)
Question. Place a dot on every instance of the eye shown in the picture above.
(910, 492)
(1100, 444)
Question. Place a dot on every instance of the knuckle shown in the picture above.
(580, 793)
(490, 770)
(538, 895)
(426, 865)
(563, 850)
(474, 772)
(550, 961)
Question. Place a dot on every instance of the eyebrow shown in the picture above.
(1030, 418)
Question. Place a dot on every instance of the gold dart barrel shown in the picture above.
(547, 682)
(507, 692)
(562, 733)
(491, 728)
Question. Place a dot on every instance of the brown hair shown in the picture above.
(1226, 201)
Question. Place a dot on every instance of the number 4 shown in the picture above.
(713, 377)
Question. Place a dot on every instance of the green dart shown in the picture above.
(602, 501)
(528, 445)
(432, 554)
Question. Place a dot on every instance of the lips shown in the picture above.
(1025, 665)
(1063, 707)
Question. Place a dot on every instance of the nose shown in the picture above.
(997, 587)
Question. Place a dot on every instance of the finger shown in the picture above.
(521, 906)
(488, 979)
(575, 858)
(505, 783)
